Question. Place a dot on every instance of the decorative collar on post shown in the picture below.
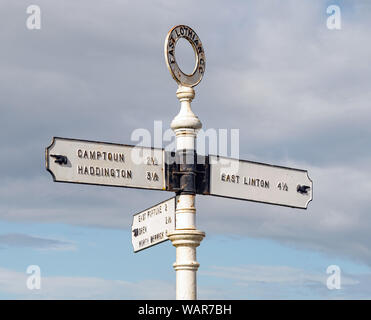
(185, 118)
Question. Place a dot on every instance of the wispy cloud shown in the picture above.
(13, 285)
(24, 240)
(271, 274)
(284, 282)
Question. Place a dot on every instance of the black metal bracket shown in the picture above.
(187, 172)
(202, 175)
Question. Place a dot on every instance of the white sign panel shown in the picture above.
(260, 182)
(91, 162)
(152, 226)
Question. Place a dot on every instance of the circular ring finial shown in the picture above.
(187, 80)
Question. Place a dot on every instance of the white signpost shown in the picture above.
(109, 164)
(259, 182)
(152, 226)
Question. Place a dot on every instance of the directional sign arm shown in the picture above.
(151, 226)
(259, 182)
(102, 163)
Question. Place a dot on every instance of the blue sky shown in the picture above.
(83, 254)
(297, 91)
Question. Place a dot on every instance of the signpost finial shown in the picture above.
(184, 79)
